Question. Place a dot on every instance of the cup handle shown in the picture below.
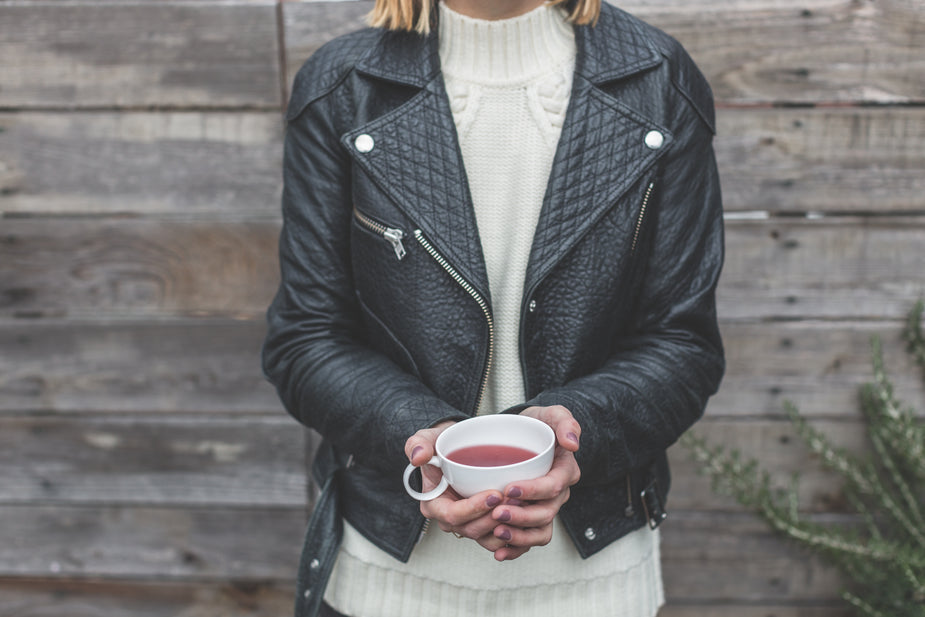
(431, 494)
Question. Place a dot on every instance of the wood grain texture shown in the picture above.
(778, 450)
(192, 365)
(139, 54)
(182, 164)
(813, 51)
(141, 459)
(137, 267)
(54, 597)
(828, 268)
(215, 544)
(835, 160)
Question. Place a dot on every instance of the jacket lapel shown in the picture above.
(601, 151)
(416, 158)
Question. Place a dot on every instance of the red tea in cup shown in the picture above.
(490, 455)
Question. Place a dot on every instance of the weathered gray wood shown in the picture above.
(178, 163)
(308, 25)
(53, 597)
(120, 366)
(848, 159)
(159, 460)
(810, 51)
(819, 366)
(132, 267)
(750, 50)
(213, 366)
(718, 558)
(771, 609)
(204, 544)
(776, 446)
(830, 268)
(175, 54)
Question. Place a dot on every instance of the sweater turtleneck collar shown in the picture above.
(504, 50)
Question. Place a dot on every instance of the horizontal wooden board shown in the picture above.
(131, 267)
(777, 268)
(778, 450)
(717, 558)
(829, 268)
(822, 160)
(126, 366)
(214, 366)
(813, 51)
(308, 25)
(53, 597)
(733, 609)
(751, 51)
(710, 558)
(160, 460)
(203, 544)
(139, 54)
(183, 164)
(819, 366)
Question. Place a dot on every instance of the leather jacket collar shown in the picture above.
(597, 127)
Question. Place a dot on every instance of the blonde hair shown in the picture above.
(416, 14)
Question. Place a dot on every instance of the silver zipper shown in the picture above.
(424, 527)
(419, 236)
(394, 236)
(642, 214)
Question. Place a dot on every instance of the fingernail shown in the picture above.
(505, 535)
(504, 516)
(492, 501)
(572, 437)
(416, 450)
(514, 492)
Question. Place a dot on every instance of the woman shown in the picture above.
(495, 206)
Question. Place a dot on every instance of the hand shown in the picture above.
(465, 517)
(525, 518)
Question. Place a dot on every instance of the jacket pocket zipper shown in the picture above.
(486, 310)
(642, 215)
(392, 235)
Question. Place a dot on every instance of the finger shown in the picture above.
(419, 448)
(563, 474)
(524, 538)
(537, 514)
(565, 426)
(507, 553)
(454, 513)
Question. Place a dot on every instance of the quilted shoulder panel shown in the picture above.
(328, 66)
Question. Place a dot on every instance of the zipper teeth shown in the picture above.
(642, 214)
(419, 236)
(368, 222)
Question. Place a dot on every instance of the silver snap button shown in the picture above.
(307, 594)
(590, 533)
(364, 143)
(654, 140)
(532, 306)
(314, 564)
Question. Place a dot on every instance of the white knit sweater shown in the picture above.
(508, 82)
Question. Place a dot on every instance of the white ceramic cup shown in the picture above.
(494, 430)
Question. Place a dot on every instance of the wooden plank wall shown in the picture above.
(148, 470)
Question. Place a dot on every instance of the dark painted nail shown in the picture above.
(504, 516)
(416, 450)
(492, 501)
(515, 492)
(505, 535)
(572, 437)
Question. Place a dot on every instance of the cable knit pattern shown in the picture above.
(508, 83)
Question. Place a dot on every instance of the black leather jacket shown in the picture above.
(382, 324)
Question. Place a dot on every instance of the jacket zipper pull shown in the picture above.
(394, 236)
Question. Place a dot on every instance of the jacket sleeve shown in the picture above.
(314, 351)
(657, 382)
